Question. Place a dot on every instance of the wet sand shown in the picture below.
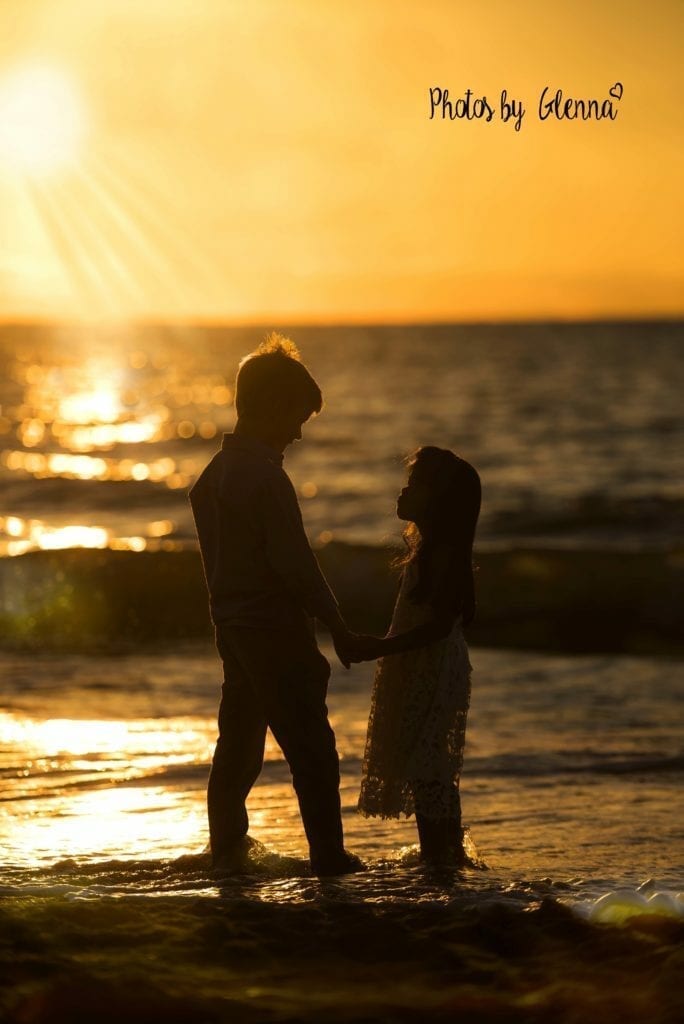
(329, 958)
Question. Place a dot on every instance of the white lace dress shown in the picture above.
(416, 730)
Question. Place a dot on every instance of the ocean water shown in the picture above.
(576, 429)
(109, 908)
(572, 775)
(571, 789)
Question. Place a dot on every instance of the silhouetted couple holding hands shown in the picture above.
(266, 587)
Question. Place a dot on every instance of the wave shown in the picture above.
(650, 518)
(394, 878)
(589, 518)
(54, 784)
(622, 905)
(85, 496)
(531, 765)
(528, 597)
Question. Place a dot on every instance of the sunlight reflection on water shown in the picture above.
(137, 822)
(564, 755)
(144, 410)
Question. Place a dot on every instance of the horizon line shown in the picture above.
(267, 323)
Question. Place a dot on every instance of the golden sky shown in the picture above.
(274, 160)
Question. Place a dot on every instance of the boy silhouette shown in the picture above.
(265, 588)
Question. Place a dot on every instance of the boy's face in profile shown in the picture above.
(287, 427)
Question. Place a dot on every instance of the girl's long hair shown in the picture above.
(453, 508)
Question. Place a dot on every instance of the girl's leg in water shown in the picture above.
(455, 838)
(433, 837)
(440, 838)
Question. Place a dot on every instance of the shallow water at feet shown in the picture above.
(571, 786)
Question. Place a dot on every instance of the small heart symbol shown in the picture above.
(616, 91)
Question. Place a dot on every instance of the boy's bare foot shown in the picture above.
(343, 863)
(236, 858)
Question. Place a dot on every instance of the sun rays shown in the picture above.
(109, 236)
(118, 246)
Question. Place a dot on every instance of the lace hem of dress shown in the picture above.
(428, 784)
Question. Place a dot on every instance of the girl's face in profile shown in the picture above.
(412, 502)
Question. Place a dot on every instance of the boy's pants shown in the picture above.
(274, 678)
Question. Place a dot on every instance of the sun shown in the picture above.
(42, 120)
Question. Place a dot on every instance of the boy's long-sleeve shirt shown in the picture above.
(258, 563)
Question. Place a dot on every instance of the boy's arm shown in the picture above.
(290, 555)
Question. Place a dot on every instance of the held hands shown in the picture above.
(350, 646)
(342, 642)
(354, 647)
(365, 648)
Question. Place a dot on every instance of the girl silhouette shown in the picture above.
(421, 693)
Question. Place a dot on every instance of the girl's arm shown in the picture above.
(436, 628)
(369, 648)
(448, 601)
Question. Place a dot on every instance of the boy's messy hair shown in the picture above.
(273, 379)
